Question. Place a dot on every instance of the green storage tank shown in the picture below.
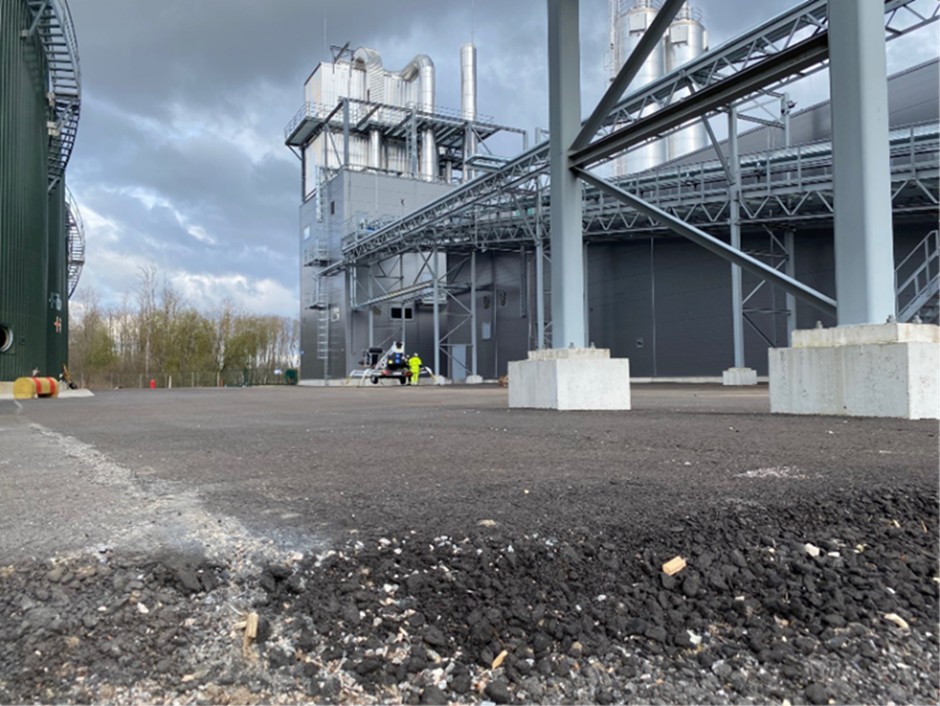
(39, 104)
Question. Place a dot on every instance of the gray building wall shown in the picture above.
(333, 337)
(664, 303)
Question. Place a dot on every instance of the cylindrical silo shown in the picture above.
(24, 217)
(630, 20)
(685, 40)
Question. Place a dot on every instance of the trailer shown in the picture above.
(390, 365)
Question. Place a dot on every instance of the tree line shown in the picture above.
(155, 334)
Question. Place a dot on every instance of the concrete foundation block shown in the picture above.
(474, 380)
(570, 379)
(739, 376)
(872, 370)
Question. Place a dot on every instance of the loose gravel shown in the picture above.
(826, 600)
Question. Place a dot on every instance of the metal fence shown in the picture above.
(227, 378)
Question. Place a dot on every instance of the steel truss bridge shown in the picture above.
(786, 187)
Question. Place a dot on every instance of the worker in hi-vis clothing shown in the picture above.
(414, 362)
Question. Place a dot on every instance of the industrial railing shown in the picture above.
(790, 169)
(921, 273)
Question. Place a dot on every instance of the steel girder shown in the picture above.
(793, 31)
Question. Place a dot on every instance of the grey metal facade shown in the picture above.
(333, 334)
(660, 301)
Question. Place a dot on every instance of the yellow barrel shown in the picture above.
(31, 388)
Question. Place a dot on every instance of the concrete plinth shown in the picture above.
(569, 379)
(474, 380)
(739, 376)
(869, 370)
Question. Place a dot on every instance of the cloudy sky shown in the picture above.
(180, 161)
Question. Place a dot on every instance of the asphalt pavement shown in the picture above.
(305, 466)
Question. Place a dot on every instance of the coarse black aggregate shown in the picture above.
(577, 615)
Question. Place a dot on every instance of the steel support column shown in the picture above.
(790, 270)
(734, 219)
(436, 292)
(473, 312)
(371, 308)
(864, 250)
(539, 270)
(564, 110)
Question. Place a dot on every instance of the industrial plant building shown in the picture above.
(41, 242)
(411, 231)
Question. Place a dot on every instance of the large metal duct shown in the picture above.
(422, 69)
(371, 60)
(685, 40)
(374, 90)
(629, 24)
(468, 100)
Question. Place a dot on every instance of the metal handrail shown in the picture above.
(75, 242)
(361, 109)
(57, 37)
(926, 274)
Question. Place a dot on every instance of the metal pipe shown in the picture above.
(468, 102)
(428, 154)
(468, 82)
(422, 69)
(375, 149)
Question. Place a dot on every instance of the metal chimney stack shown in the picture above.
(468, 100)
